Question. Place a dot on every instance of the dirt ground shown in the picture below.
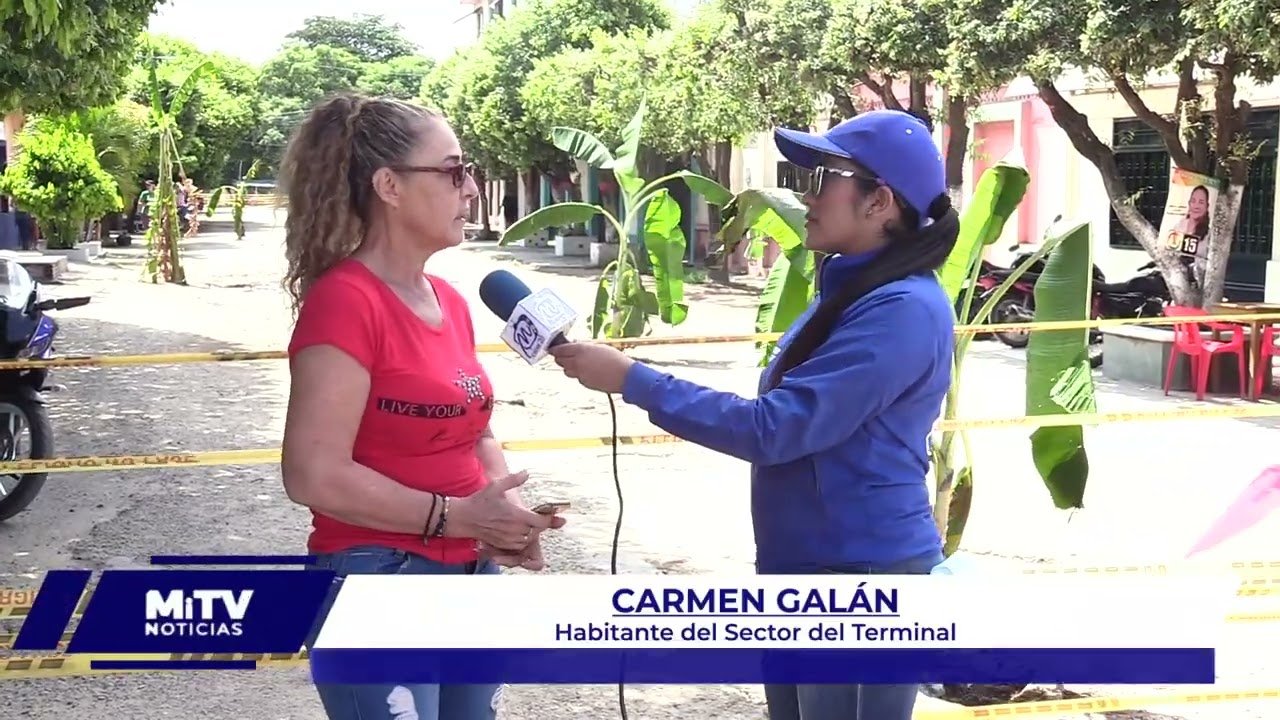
(1153, 487)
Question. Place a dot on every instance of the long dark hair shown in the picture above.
(908, 252)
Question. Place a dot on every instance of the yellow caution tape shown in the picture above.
(262, 456)
(86, 361)
(58, 665)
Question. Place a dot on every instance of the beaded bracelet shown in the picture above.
(430, 513)
(444, 515)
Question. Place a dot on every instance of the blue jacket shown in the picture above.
(839, 450)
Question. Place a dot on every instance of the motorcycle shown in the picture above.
(27, 334)
(1142, 295)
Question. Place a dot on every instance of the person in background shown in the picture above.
(837, 436)
(387, 437)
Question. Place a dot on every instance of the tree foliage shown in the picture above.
(1203, 46)
(58, 55)
(371, 38)
(222, 114)
(57, 178)
(496, 69)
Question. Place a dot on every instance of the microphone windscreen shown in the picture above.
(500, 291)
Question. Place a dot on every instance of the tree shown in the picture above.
(69, 54)
(399, 77)
(121, 135)
(292, 82)
(1207, 46)
(225, 109)
(498, 65)
(368, 37)
(881, 45)
(58, 179)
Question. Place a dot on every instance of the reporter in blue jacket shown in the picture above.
(837, 436)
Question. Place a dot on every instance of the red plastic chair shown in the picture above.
(1269, 350)
(1200, 352)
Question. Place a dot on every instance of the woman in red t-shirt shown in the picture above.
(387, 436)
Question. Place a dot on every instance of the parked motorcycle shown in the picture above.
(1142, 295)
(27, 334)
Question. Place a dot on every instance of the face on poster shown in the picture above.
(1188, 213)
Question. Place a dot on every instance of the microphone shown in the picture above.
(536, 321)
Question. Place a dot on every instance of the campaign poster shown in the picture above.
(1188, 213)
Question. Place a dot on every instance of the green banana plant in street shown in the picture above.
(239, 199)
(164, 258)
(623, 305)
(1051, 385)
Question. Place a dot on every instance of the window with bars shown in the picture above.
(794, 178)
(1144, 170)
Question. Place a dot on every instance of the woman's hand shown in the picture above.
(599, 367)
(530, 558)
(491, 518)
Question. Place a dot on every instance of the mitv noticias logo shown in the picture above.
(196, 613)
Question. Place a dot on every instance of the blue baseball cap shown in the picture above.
(894, 145)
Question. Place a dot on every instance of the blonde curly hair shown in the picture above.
(326, 178)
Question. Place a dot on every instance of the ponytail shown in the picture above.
(908, 252)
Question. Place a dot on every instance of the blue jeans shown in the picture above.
(851, 702)
(400, 702)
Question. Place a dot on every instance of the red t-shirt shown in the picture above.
(429, 398)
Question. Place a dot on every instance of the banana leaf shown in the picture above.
(582, 145)
(1059, 379)
(710, 190)
(773, 212)
(787, 292)
(627, 155)
(997, 195)
(665, 244)
(558, 215)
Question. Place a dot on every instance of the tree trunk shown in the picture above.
(14, 121)
(957, 145)
(532, 191)
(482, 184)
(1086, 142)
(918, 88)
(1214, 273)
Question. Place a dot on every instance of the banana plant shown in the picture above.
(779, 214)
(164, 258)
(239, 199)
(998, 194)
(623, 305)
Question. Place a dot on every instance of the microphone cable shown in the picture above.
(617, 533)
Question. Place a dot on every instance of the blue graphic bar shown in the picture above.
(54, 605)
(233, 559)
(159, 665)
(754, 666)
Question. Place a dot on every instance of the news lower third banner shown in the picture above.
(651, 629)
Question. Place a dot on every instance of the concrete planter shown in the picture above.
(573, 245)
(603, 253)
(540, 239)
(83, 252)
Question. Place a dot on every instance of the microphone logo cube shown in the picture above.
(535, 322)
(529, 336)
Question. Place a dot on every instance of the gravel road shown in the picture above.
(1143, 506)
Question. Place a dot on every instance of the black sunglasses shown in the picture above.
(457, 173)
(820, 172)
